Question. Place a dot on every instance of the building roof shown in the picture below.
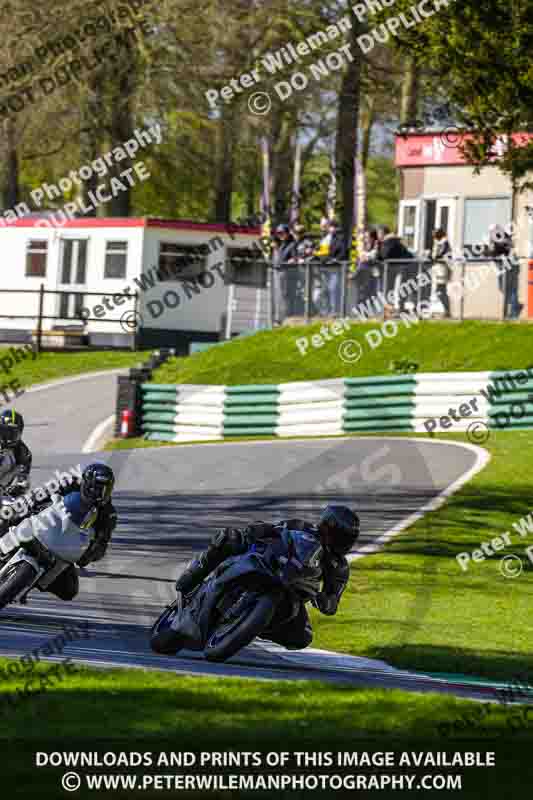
(443, 147)
(31, 220)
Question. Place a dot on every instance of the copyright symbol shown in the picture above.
(478, 433)
(511, 566)
(131, 321)
(71, 782)
(350, 351)
(260, 103)
(451, 137)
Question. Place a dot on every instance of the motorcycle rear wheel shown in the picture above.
(18, 578)
(221, 644)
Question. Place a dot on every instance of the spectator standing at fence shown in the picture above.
(311, 260)
(382, 231)
(298, 236)
(392, 249)
(281, 253)
(325, 238)
(337, 254)
(370, 267)
(276, 280)
(296, 273)
(501, 249)
(321, 286)
(286, 243)
(337, 247)
(441, 268)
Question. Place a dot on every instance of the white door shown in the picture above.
(445, 219)
(72, 277)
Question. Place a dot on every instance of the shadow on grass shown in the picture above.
(204, 717)
(467, 520)
(490, 663)
(204, 713)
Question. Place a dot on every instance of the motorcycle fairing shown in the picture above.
(195, 622)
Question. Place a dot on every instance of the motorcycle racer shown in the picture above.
(15, 456)
(337, 531)
(88, 509)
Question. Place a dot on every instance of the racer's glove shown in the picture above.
(95, 552)
(105, 524)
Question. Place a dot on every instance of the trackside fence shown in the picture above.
(52, 313)
(476, 288)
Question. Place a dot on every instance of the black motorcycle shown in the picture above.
(243, 598)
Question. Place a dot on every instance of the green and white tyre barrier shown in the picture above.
(186, 413)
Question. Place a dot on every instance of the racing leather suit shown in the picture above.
(15, 467)
(66, 585)
(297, 632)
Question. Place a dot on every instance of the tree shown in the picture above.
(480, 53)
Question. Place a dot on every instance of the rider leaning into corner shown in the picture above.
(85, 504)
(15, 456)
(337, 530)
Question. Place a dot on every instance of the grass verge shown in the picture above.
(274, 357)
(134, 443)
(52, 366)
(159, 711)
(206, 711)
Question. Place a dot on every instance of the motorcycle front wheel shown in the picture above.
(230, 637)
(16, 579)
(163, 639)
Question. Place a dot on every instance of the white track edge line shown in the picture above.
(39, 387)
(99, 435)
(482, 459)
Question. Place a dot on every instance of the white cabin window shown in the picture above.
(181, 261)
(116, 258)
(480, 214)
(244, 268)
(36, 253)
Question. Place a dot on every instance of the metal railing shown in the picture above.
(78, 297)
(479, 288)
(309, 290)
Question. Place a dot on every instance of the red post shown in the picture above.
(127, 423)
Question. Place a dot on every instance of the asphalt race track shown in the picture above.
(171, 500)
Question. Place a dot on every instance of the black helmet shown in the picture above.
(97, 482)
(282, 229)
(339, 528)
(11, 427)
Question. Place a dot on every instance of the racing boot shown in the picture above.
(227, 542)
